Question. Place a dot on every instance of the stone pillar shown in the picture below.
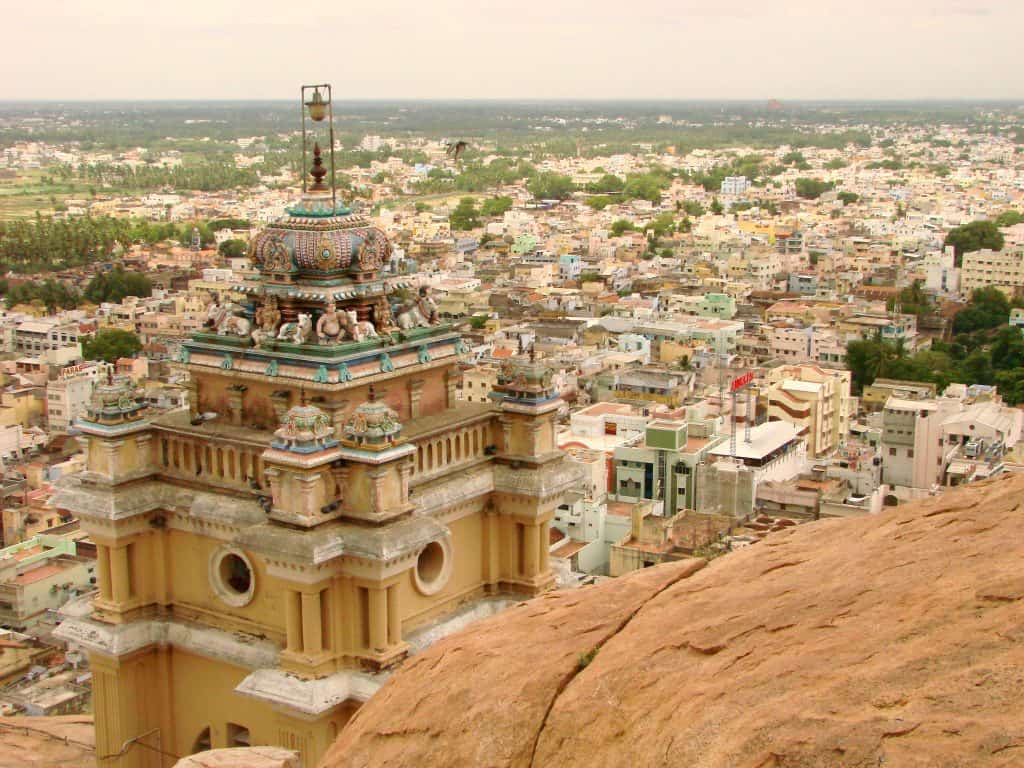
(293, 620)
(532, 548)
(312, 631)
(103, 570)
(415, 395)
(120, 578)
(378, 618)
(394, 616)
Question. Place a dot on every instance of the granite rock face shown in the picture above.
(889, 640)
(242, 757)
(67, 741)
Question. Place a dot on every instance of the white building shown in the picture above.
(735, 185)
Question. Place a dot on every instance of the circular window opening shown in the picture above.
(232, 577)
(235, 573)
(433, 567)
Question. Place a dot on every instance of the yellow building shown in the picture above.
(325, 506)
(816, 400)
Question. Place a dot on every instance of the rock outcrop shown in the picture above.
(242, 757)
(889, 640)
(67, 741)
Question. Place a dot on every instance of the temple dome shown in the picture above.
(115, 401)
(304, 429)
(319, 239)
(373, 425)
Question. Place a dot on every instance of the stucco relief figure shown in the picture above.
(268, 320)
(214, 312)
(382, 317)
(421, 313)
(297, 333)
(330, 327)
(359, 329)
(231, 321)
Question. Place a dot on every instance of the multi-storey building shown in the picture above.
(1002, 269)
(267, 555)
(815, 400)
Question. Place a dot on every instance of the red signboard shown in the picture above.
(741, 381)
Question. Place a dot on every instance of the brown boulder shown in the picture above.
(894, 640)
(67, 741)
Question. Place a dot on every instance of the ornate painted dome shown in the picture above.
(320, 241)
(373, 425)
(304, 429)
(524, 379)
(115, 401)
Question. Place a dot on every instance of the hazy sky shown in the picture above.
(673, 49)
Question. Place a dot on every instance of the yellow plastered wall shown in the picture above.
(189, 577)
(467, 576)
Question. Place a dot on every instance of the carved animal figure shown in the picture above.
(297, 333)
(410, 317)
(230, 322)
(359, 329)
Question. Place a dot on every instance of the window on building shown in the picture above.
(910, 453)
(892, 451)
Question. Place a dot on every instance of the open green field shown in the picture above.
(28, 193)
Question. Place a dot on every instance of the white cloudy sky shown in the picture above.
(814, 49)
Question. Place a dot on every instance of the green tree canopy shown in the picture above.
(114, 286)
(465, 215)
(233, 248)
(550, 186)
(110, 344)
(988, 308)
(496, 206)
(1009, 218)
(621, 226)
(974, 237)
(812, 189)
(606, 184)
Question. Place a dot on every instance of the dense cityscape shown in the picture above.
(285, 405)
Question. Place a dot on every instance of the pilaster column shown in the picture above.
(377, 475)
(394, 616)
(535, 429)
(120, 578)
(103, 570)
(112, 448)
(235, 395)
(532, 548)
(142, 448)
(378, 618)
(312, 631)
(273, 478)
(293, 620)
(450, 382)
(307, 487)
(545, 546)
(281, 401)
(415, 395)
(404, 473)
(193, 396)
(506, 434)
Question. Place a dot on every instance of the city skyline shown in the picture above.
(894, 51)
